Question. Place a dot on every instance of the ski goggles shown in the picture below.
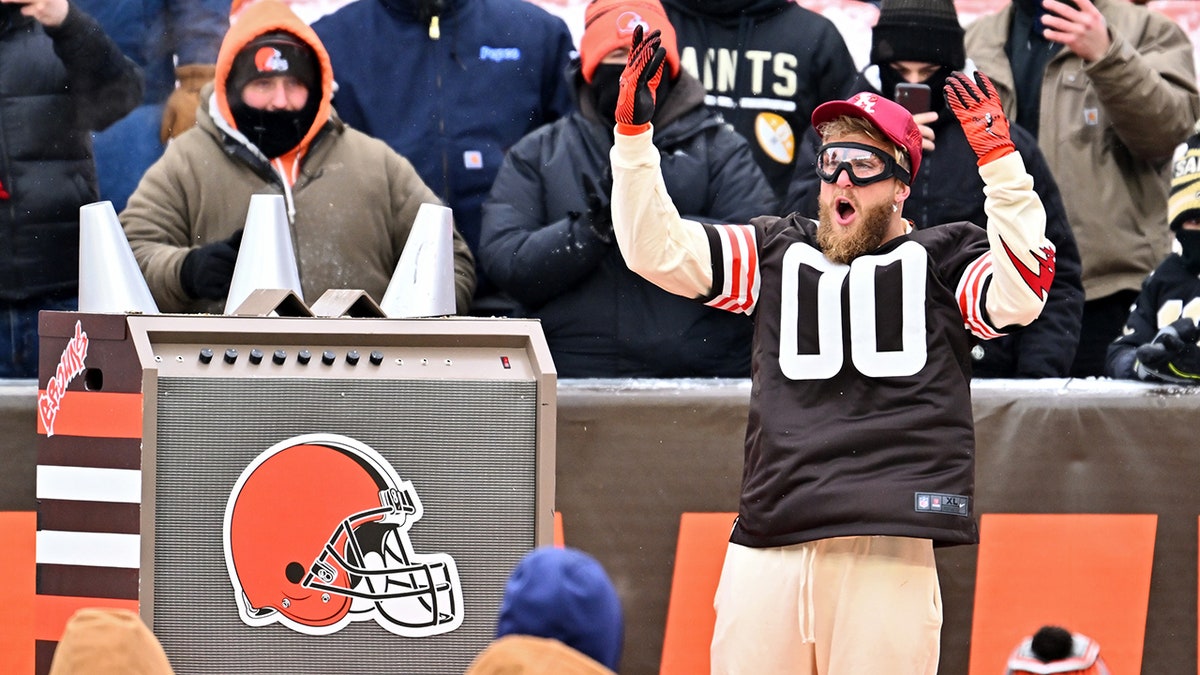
(864, 164)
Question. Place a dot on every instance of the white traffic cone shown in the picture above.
(423, 283)
(265, 259)
(109, 278)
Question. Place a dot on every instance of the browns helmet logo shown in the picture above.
(270, 60)
(316, 536)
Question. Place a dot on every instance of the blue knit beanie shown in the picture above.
(564, 594)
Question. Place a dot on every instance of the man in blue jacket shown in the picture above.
(451, 85)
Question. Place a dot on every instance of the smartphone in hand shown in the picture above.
(914, 97)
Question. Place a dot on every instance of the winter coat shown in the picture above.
(351, 206)
(948, 189)
(156, 33)
(455, 103)
(56, 85)
(600, 319)
(786, 60)
(1108, 129)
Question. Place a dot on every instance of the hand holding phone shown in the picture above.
(914, 97)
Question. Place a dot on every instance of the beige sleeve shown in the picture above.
(657, 244)
(1016, 228)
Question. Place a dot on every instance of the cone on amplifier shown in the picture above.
(423, 282)
(109, 278)
(266, 259)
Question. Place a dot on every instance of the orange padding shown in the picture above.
(699, 554)
(96, 414)
(53, 611)
(559, 539)
(1089, 573)
(18, 530)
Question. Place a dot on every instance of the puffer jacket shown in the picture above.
(351, 206)
(600, 319)
(56, 85)
(1108, 129)
(948, 189)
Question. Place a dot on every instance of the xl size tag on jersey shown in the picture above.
(936, 502)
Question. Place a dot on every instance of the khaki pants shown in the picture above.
(844, 606)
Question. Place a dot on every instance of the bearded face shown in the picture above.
(841, 243)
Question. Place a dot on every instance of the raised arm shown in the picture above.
(656, 243)
(1022, 259)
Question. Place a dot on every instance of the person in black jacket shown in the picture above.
(61, 78)
(766, 64)
(547, 241)
(921, 41)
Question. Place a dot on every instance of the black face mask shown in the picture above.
(274, 132)
(606, 89)
(889, 78)
(1189, 240)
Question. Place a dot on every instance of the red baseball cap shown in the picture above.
(885, 114)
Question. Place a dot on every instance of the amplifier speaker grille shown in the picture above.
(468, 446)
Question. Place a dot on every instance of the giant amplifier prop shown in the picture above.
(289, 494)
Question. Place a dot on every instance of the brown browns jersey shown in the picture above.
(860, 418)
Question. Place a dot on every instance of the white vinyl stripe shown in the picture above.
(89, 485)
(95, 549)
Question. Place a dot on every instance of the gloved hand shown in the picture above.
(598, 195)
(1172, 356)
(207, 270)
(979, 112)
(179, 112)
(639, 83)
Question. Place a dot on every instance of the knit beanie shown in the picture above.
(564, 594)
(918, 30)
(1184, 202)
(608, 25)
(274, 54)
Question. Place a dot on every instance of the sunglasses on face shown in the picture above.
(864, 164)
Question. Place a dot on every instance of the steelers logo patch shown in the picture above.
(775, 137)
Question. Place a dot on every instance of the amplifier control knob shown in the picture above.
(230, 355)
(279, 357)
(206, 355)
(376, 357)
(352, 357)
(303, 357)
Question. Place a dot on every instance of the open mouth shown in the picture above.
(843, 211)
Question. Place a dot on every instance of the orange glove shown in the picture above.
(978, 111)
(639, 83)
(179, 113)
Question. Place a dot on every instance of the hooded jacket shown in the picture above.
(453, 104)
(948, 189)
(351, 200)
(56, 85)
(1107, 129)
(766, 65)
(600, 319)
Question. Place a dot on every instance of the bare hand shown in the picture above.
(923, 121)
(1084, 31)
(49, 13)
